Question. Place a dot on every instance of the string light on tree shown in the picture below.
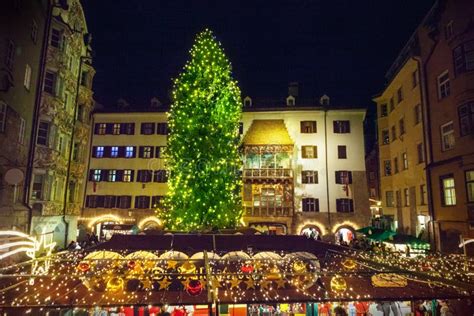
(202, 154)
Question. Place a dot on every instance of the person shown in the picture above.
(73, 245)
(407, 251)
(340, 311)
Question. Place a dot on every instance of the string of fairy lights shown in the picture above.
(120, 278)
(202, 156)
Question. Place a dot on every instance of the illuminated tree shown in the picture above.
(202, 154)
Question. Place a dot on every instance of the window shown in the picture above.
(160, 176)
(21, 133)
(383, 110)
(394, 133)
(447, 136)
(147, 128)
(342, 152)
(124, 201)
(157, 201)
(398, 198)
(448, 30)
(448, 191)
(72, 192)
(406, 194)
(423, 194)
(464, 57)
(405, 161)
(401, 126)
(470, 185)
(116, 129)
(144, 176)
(110, 201)
(56, 38)
(76, 153)
(114, 151)
(392, 104)
(310, 205)
(96, 175)
(308, 127)
(444, 88)
(128, 128)
(129, 152)
(241, 128)
(112, 175)
(10, 55)
(27, 79)
(466, 119)
(421, 152)
(387, 165)
(417, 113)
(34, 31)
(145, 152)
(142, 201)
(38, 181)
(309, 152)
(43, 133)
(94, 201)
(372, 193)
(399, 95)
(389, 199)
(127, 175)
(162, 129)
(100, 128)
(160, 151)
(395, 165)
(342, 127)
(309, 176)
(385, 137)
(3, 116)
(85, 79)
(344, 205)
(414, 78)
(50, 82)
(343, 177)
(99, 151)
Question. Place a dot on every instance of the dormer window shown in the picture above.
(324, 100)
(247, 102)
(290, 100)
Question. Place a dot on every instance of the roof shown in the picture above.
(272, 132)
(145, 269)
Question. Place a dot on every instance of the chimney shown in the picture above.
(293, 89)
(155, 103)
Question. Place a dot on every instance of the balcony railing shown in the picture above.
(269, 210)
(264, 173)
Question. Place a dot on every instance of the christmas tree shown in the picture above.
(202, 154)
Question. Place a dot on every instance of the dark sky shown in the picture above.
(339, 47)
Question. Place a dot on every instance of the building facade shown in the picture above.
(447, 51)
(62, 127)
(22, 28)
(303, 169)
(401, 149)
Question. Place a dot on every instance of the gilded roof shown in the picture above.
(271, 132)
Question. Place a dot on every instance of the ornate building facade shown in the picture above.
(62, 128)
(22, 28)
(303, 171)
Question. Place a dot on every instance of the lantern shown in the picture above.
(84, 266)
(338, 284)
(115, 284)
(194, 287)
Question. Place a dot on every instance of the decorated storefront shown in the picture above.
(238, 273)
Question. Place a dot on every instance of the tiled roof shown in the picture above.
(267, 132)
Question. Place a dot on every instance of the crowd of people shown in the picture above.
(90, 241)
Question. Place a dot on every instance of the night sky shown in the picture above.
(341, 48)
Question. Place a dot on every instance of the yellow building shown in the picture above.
(401, 149)
(303, 170)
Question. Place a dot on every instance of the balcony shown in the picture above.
(268, 173)
(285, 209)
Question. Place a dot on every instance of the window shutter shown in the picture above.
(96, 128)
(109, 128)
(123, 128)
(120, 175)
(107, 151)
(338, 177)
(351, 205)
(140, 151)
(94, 150)
(121, 151)
(131, 128)
(134, 151)
(132, 176)
(136, 202)
(104, 175)
(338, 205)
(349, 174)
(91, 174)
